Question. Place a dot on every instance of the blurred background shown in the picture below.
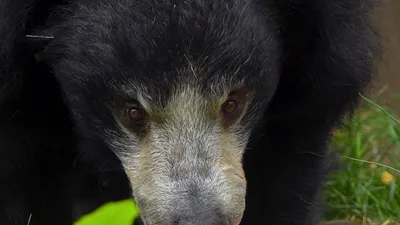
(388, 20)
(366, 188)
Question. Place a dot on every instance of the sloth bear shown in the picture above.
(206, 112)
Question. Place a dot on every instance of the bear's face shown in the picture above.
(183, 158)
(174, 93)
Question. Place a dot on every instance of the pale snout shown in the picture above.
(197, 209)
(194, 212)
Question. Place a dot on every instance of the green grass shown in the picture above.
(369, 146)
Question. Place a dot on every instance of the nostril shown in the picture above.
(176, 222)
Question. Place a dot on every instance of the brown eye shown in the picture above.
(134, 114)
(230, 106)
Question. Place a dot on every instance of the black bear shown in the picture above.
(207, 112)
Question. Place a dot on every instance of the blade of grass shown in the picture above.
(370, 162)
(382, 109)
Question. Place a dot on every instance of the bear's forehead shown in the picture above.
(155, 37)
(206, 44)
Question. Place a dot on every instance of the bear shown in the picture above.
(203, 111)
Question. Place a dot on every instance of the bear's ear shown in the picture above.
(18, 21)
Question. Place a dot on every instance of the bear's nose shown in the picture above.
(200, 216)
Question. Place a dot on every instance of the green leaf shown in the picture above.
(119, 213)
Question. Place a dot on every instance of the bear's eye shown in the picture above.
(233, 108)
(231, 111)
(229, 106)
(134, 113)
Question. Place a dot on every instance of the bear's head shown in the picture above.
(174, 91)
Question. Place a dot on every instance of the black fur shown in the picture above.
(309, 60)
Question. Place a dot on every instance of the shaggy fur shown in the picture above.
(295, 66)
